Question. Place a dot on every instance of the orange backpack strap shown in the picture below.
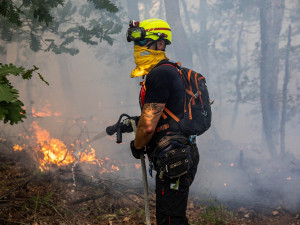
(164, 115)
(199, 92)
(171, 114)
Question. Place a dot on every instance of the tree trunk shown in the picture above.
(284, 94)
(204, 40)
(66, 82)
(180, 43)
(271, 13)
(133, 10)
(238, 76)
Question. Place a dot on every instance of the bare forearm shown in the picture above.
(150, 116)
(142, 138)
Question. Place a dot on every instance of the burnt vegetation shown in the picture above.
(31, 196)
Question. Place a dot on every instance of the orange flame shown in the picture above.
(17, 148)
(89, 157)
(44, 112)
(137, 166)
(52, 151)
(114, 168)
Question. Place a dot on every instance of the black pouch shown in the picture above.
(174, 160)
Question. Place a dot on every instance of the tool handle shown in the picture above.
(145, 182)
(119, 135)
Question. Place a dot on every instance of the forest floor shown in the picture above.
(28, 196)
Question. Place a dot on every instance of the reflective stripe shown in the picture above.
(151, 29)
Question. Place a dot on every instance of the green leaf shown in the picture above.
(10, 69)
(68, 40)
(10, 106)
(108, 39)
(42, 78)
(8, 94)
(3, 112)
(15, 112)
(28, 74)
(104, 4)
(35, 43)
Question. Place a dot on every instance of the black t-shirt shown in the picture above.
(164, 85)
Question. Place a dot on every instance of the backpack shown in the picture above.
(197, 105)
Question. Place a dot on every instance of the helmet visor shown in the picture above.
(135, 34)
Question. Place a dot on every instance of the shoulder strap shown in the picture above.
(177, 65)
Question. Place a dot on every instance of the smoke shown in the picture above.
(234, 167)
(246, 176)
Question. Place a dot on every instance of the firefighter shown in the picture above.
(157, 133)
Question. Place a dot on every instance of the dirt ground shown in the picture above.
(28, 196)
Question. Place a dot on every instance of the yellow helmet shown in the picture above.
(153, 29)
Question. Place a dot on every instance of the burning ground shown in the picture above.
(42, 183)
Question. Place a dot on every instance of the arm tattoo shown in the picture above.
(151, 109)
(155, 107)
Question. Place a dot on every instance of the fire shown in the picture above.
(288, 178)
(17, 148)
(89, 157)
(52, 151)
(115, 168)
(137, 166)
(44, 112)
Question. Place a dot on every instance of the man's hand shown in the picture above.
(136, 152)
(149, 118)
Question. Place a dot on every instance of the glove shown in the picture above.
(126, 126)
(136, 152)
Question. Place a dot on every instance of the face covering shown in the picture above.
(145, 60)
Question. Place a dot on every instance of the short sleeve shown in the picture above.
(158, 85)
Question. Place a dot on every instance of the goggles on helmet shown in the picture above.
(135, 34)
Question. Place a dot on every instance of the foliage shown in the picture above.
(216, 213)
(39, 200)
(10, 106)
(35, 21)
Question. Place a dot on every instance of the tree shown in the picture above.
(30, 21)
(181, 45)
(284, 93)
(271, 15)
(35, 21)
(133, 10)
(10, 106)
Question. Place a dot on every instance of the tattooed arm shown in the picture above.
(150, 116)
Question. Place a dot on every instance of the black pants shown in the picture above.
(171, 203)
